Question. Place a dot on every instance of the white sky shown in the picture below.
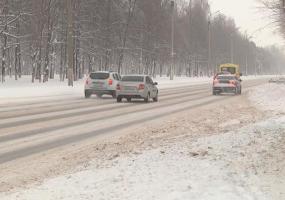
(249, 18)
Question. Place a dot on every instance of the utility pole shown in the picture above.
(209, 44)
(141, 60)
(232, 49)
(69, 42)
(172, 40)
(246, 63)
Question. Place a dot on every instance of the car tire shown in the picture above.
(114, 95)
(119, 99)
(146, 100)
(155, 99)
(99, 95)
(87, 94)
(236, 91)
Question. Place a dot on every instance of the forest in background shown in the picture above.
(128, 36)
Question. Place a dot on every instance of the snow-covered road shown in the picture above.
(44, 139)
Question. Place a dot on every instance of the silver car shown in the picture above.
(137, 87)
(100, 83)
(226, 83)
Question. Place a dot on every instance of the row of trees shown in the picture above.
(129, 36)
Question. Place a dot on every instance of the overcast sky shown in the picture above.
(248, 17)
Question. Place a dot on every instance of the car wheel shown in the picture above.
(119, 99)
(155, 99)
(129, 99)
(99, 95)
(87, 94)
(147, 98)
(114, 95)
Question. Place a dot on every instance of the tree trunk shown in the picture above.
(5, 41)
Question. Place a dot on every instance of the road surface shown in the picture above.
(32, 129)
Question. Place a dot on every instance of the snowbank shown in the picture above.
(24, 88)
(269, 97)
(221, 167)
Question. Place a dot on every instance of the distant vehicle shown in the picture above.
(273, 80)
(277, 80)
(101, 83)
(230, 68)
(226, 83)
(137, 87)
(281, 80)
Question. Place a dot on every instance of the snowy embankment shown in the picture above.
(221, 167)
(270, 97)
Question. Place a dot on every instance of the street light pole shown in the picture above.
(232, 49)
(141, 59)
(69, 42)
(209, 44)
(172, 41)
(210, 40)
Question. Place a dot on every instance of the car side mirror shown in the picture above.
(155, 83)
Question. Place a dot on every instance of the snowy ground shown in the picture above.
(270, 97)
(184, 159)
(219, 167)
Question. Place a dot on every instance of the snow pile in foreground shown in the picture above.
(220, 167)
(269, 97)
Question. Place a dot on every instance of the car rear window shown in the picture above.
(133, 78)
(226, 78)
(99, 75)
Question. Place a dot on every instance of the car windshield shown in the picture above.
(133, 78)
(99, 75)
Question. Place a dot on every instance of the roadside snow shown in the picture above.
(221, 167)
(24, 88)
(269, 97)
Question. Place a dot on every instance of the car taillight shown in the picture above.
(141, 86)
(87, 82)
(118, 87)
(110, 82)
(233, 82)
(216, 81)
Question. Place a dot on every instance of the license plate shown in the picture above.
(98, 85)
(129, 88)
